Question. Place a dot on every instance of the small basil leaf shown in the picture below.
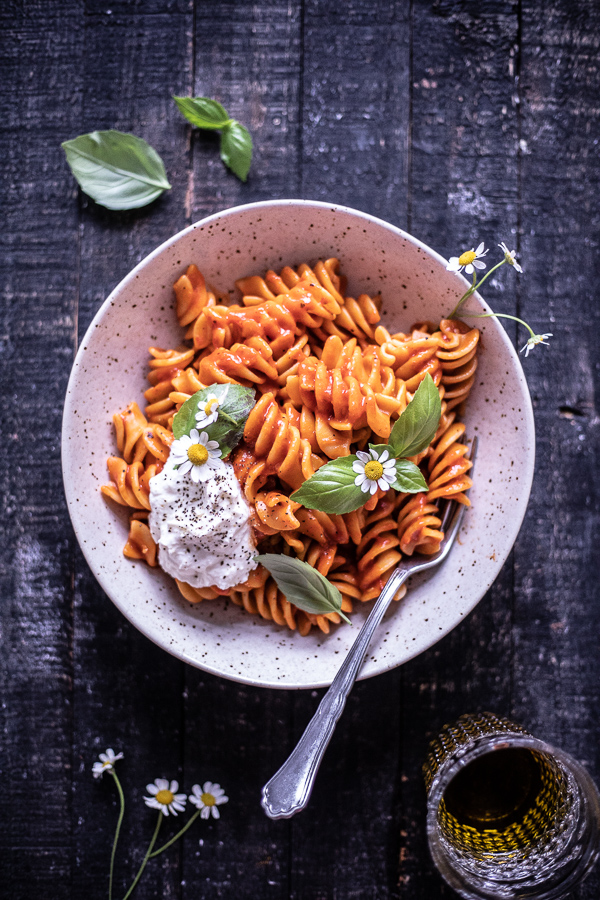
(331, 489)
(379, 448)
(409, 478)
(236, 149)
(117, 170)
(235, 407)
(202, 112)
(303, 585)
(416, 427)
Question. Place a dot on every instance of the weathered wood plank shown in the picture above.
(463, 189)
(557, 669)
(354, 152)
(128, 692)
(40, 65)
(248, 57)
(355, 133)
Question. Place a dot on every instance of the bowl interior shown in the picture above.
(110, 371)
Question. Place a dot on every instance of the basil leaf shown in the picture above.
(409, 478)
(117, 170)
(416, 427)
(237, 402)
(202, 112)
(331, 489)
(236, 149)
(379, 448)
(303, 585)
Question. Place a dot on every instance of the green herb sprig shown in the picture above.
(236, 140)
(303, 585)
(333, 489)
(235, 404)
(117, 170)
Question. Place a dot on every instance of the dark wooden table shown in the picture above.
(458, 121)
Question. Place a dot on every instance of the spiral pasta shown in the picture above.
(329, 379)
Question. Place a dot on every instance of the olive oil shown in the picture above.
(496, 790)
(508, 815)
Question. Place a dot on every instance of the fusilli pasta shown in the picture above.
(329, 380)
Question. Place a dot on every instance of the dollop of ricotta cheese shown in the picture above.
(202, 530)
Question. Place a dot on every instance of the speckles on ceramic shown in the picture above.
(110, 371)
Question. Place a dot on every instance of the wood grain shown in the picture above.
(464, 189)
(354, 151)
(556, 681)
(127, 693)
(458, 121)
(39, 284)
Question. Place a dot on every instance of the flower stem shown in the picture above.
(177, 836)
(118, 829)
(475, 286)
(146, 857)
(467, 314)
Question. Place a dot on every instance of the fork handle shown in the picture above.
(290, 788)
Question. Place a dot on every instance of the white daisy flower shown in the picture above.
(197, 455)
(510, 256)
(374, 471)
(164, 797)
(208, 410)
(535, 339)
(469, 260)
(207, 798)
(107, 761)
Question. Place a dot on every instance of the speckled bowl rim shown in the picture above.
(70, 492)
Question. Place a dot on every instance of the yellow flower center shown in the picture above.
(467, 257)
(197, 454)
(208, 799)
(373, 470)
(210, 405)
(165, 797)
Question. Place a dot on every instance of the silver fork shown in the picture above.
(290, 788)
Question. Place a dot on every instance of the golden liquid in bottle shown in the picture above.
(495, 790)
(503, 801)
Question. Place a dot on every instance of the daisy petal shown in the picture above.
(384, 456)
(358, 467)
(205, 813)
(373, 487)
(469, 269)
(479, 250)
(364, 457)
(216, 813)
(478, 264)
(185, 467)
(360, 479)
(152, 789)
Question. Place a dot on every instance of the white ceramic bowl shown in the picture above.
(110, 371)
